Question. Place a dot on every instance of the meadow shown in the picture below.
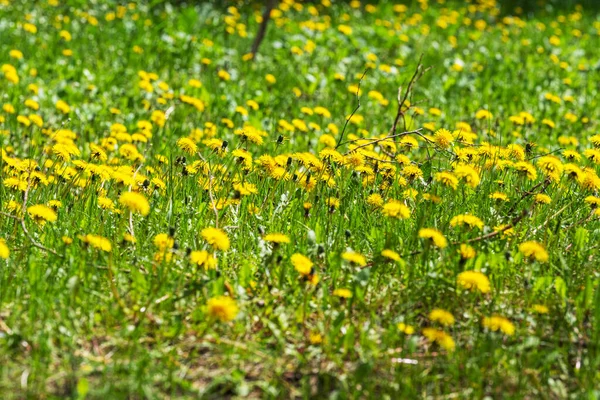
(385, 200)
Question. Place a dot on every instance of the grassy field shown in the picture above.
(391, 201)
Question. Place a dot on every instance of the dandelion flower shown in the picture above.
(442, 316)
(391, 255)
(443, 138)
(355, 258)
(534, 250)
(343, 293)
(406, 329)
(277, 238)
(42, 214)
(435, 236)
(302, 264)
(217, 238)
(187, 145)
(97, 242)
(395, 209)
(469, 220)
(498, 323)
(203, 259)
(440, 337)
(223, 308)
(135, 202)
(540, 309)
(474, 280)
(4, 251)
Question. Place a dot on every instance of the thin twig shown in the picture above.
(419, 72)
(528, 193)
(415, 132)
(353, 112)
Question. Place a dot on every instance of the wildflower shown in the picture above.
(592, 155)
(466, 252)
(163, 241)
(375, 200)
(333, 203)
(440, 337)
(195, 83)
(23, 120)
(406, 329)
(15, 54)
(593, 201)
(442, 316)
(443, 138)
(412, 172)
(541, 198)
(63, 107)
(276, 238)
(4, 251)
(42, 214)
(187, 145)
(343, 293)
(551, 167)
(534, 250)
(271, 80)
(203, 259)
(345, 29)
(447, 179)
(391, 255)
(223, 308)
(15, 184)
(472, 280)
(315, 338)
(483, 114)
(224, 75)
(135, 202)
(354, 258)
(498, 323)
(499, 196)
(217, 238)
(97, 242)
(540, 309)
(468, 174)
(302, 264)
(526, 169)
(395, 209)
(435, 236)
(470, 220)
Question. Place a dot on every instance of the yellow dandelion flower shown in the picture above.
(406, 329)
(217, 238)
(187, 145)
(534, 250)
(391, 255)
(223, 308)
(354, 258)
(436, 237)
(97, 242)
(498, 323)
(276, 238)
(4, 251)
(440, 337)
(135, 202)
(395, 209)
(42, 214)
(540, 309)
(466, 219)
(442, 316)
(203, 259)
(343, 293)
(302, 264)
(474, 280)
